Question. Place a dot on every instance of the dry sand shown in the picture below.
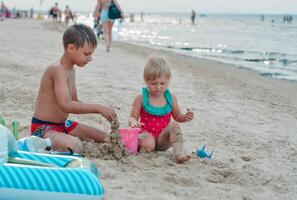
(249, 121)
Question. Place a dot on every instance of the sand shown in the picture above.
(249, 121)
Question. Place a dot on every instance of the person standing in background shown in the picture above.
(141, 16)
(193, 17)
(2, 11)
(54, 12)
(68, 15)
(31, 12)
(103, 7)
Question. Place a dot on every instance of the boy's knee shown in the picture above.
(147, 142)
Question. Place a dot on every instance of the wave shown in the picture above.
(249, 56)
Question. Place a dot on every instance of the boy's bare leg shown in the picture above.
(84, 131)
(61, 141)
(172, 136)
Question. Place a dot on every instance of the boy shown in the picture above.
(57, 96)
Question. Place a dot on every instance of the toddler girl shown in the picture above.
(152, 111)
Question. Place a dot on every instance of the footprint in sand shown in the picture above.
(179, 181)
(246, 158)
(219, 176)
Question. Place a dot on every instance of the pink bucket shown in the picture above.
(130, 138)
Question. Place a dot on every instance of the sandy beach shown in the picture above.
(249, 121)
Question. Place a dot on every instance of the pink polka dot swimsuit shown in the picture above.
(154, 124)
(155, 119)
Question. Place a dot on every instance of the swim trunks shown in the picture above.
(40, 127)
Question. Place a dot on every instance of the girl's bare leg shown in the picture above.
(110, 32)
(107, 29)
(146, 142)
(106, 34)
(172, 136)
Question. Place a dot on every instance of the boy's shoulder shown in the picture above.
(55, 68)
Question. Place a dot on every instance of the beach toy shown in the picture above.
(33, 176)
(202, 153)
(130, 138)
(30, 176)
(15, 129)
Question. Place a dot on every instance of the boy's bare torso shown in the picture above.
(46, 105)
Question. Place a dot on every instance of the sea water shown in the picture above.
(266, 44)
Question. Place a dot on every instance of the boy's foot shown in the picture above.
(107, 49)
(182, 158)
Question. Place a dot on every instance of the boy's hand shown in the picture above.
(189, 115)
(108, 113)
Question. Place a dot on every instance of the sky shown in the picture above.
(200, 6)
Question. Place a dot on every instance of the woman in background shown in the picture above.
(103, 7)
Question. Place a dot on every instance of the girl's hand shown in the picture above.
(136, 124)
(189, 115)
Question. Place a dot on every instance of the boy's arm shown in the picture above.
(136, 109)
(68, 105)
(177, 114)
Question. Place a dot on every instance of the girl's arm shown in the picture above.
(98, 6)
(177, 114)
(135, 113)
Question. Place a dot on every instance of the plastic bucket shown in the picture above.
(130, 138)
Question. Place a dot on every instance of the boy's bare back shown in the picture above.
(57, 86)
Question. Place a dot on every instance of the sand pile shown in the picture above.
(113, 149)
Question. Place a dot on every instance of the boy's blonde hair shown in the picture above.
(156, 67)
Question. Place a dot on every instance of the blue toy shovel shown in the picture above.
(202, 153)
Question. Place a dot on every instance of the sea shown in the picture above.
(266, 44)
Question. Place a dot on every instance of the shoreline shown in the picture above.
(249, 121)
(206, 59)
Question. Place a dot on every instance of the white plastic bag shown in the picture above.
(7, 143)
(34, 144)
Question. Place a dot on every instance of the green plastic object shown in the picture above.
(2, 121)
(15, 129)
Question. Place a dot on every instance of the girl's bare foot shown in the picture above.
(182, 158)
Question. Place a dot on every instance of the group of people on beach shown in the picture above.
(56, 14)
(152, 110)
(14, 13)
(2, 11)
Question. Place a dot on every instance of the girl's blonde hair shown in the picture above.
(156, 67)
